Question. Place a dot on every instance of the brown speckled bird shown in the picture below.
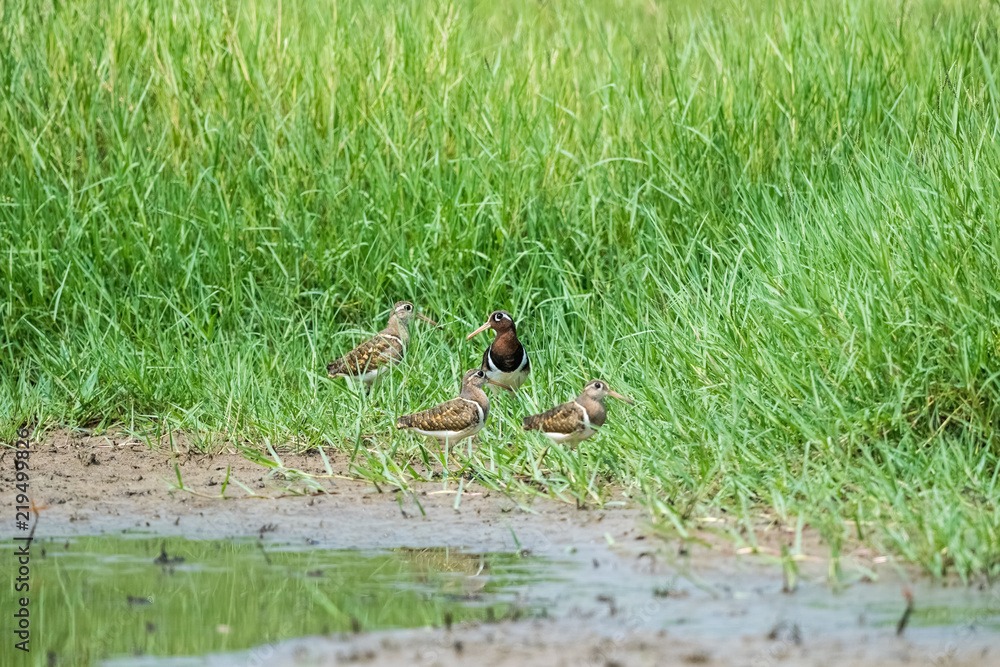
(505, 360)
(574, 421)
(377, 354)
(457, 419)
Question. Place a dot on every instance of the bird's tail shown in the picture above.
(531, 423)
(404, 421)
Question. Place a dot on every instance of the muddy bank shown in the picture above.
(619, 595)
(574, 644)
(106, 484)
(88, 485)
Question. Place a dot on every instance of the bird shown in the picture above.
(380, 352)
(457, 419)
(505, 361)
(574, 421)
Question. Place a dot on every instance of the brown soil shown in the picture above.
(87, 485)
(92, 485)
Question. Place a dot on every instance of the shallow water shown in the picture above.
(115, 599)
(94, 598)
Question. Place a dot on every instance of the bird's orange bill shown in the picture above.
(499, 384)
(479, 330)
(615, 394)
(427, 319)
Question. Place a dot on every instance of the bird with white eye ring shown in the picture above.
(380, 352)
(457, 419)
(573, 422)
(505, 361)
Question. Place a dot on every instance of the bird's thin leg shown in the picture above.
(509, 411)
(436, 458)
(446, 463)
(579, 461)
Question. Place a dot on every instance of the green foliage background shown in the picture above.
(773, 223)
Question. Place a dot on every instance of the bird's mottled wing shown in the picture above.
(455, 415)
(566, 418)
(372, 354)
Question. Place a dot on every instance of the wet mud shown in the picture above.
(606, 588)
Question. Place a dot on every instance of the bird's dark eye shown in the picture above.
(598, 386)
(479, 374)
(498, 317)
(408, 307)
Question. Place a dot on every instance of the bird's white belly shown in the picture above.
(570, 438)
(369, 376)
(452, 436)
(514, 379)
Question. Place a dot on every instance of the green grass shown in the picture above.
(774, 225)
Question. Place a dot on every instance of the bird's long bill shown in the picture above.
(427, 319)
(499, 384)
(479, 330)
(615, 394)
